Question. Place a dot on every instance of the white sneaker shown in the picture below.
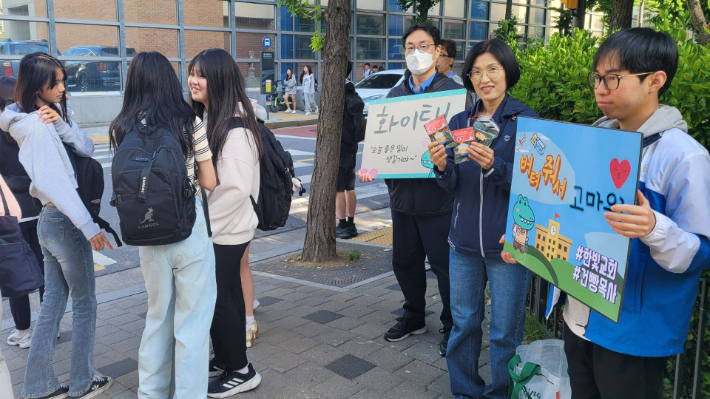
(308, 113)
(23, 341)
(252, 333)
(317, 109)
(256, 304)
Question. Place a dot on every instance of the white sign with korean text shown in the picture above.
(396, 140)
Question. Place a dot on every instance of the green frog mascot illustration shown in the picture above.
(524, 220)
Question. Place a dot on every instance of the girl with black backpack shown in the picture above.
(218, 92)
(179, 277)
(66, 230)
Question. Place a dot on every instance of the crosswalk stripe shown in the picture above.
(297, 165)
(301, 204)
(102, 157)
(298, 153)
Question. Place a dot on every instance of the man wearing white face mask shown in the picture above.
(421, 210)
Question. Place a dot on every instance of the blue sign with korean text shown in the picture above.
(266, 41)
(565, 177)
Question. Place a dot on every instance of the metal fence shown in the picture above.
(682, 386)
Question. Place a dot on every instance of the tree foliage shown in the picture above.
(421, 9)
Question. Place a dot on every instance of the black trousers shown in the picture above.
(414, 239)
(598, 373)
(228, 330)
(20, 306)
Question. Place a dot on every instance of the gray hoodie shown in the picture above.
(45, 160)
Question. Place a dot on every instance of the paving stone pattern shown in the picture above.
(314, 343)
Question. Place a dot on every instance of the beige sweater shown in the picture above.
(232, 215)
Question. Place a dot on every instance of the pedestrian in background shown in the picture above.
(367, 72)
(308, 81)
(291, 84)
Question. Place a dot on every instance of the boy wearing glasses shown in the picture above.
(669, 228)
(421, 210)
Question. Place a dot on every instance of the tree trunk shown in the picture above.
(699, 21)
(622, 15)
(319, 245)
(509, 10)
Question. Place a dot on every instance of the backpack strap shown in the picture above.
(106, 226)
(205, 208)
(237, 122)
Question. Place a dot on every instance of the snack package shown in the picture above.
(462, 137)
(439, 132)
(483, 134)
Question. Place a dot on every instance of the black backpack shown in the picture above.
(153, 196)
(90, 179)
(354, 121)
(276, 187)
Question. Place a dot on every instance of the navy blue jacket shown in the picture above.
(481, 196)
(16, 178)
(421, 197)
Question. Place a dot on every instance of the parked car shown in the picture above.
(91, 75)
(378, 85)
(10, 67)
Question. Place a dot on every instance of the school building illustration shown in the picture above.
(551, 243)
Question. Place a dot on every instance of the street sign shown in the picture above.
(266, 41)
(267, 72)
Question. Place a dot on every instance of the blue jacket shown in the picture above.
(665, 266)
(481, 202)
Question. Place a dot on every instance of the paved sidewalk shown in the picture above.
(314, 343)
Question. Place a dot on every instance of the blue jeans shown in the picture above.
(68, 270)
(508, 286)
(182, 291)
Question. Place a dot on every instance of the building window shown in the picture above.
(537, 16)
(254, 16)
(369, 49)
(454, 29)
(479, 31)
(370, 24)
(287, 46)
(395, 51)
(377, 5)
(479, 10)
(455, 8)
(460, 53)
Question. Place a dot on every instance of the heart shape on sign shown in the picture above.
(372, 172)
(619, 171)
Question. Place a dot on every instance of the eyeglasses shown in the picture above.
(492, 73)
(422, 47)
(611, 80)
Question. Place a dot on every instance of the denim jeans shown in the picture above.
(508, 287)
(5, 383)
(182, 290)
(68, 270)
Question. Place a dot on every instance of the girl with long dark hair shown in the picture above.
(308, 80)
(218, 92)
(66, 230)
(291, 84)
(179, 278)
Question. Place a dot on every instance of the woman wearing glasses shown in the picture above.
(482, 190)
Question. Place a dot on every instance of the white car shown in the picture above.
(378, 85)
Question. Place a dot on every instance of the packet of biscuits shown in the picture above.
(484, 134)
(463, 138)
(439, 132)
